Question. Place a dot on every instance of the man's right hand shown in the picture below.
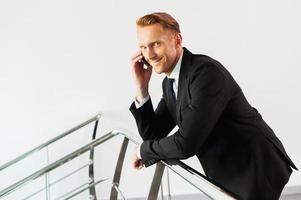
(137, 162)
(141, 75)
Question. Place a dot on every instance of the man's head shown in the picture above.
(160, 41)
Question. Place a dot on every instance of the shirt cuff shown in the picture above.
(138, 151)
(138, 104)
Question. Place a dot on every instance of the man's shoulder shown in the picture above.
(204, 60)
(205, 65)
(192, 61)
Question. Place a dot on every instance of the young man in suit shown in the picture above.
(236, 148)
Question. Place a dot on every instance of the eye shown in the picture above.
(142, 48)
(157, 44)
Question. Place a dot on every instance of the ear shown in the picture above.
(178, 39)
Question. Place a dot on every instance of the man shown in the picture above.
(236, 148)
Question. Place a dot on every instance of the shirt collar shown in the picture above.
(176, 71)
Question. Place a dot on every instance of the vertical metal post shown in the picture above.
(118, 169)
(92, 190)
(161, 190)
(47, 176)
(168, 184)
(156, 182)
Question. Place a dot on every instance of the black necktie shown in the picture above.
(171, 91)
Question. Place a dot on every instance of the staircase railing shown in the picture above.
(193, 177)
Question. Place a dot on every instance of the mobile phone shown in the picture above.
(145, 62)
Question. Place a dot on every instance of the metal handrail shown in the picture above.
(57, 181)
(116, 187)
(187, 173)
(192, 176)
(86, 188)
(56, 164)
(38, 148)
(200, 182)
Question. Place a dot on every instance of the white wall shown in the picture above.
(63, 61)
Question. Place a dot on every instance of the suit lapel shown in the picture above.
(185, 65)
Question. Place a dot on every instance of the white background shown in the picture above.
(62, 62)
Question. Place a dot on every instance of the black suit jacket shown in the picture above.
(236, 148)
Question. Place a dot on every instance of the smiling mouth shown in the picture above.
(157, 61)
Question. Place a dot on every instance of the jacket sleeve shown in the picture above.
(208, 99)
(153, 124)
